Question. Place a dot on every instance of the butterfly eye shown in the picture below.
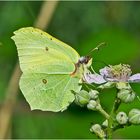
(44, 81)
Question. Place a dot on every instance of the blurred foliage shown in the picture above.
(83, 25)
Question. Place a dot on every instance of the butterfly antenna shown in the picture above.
(93, 70)
(97, 48)
(99, 61)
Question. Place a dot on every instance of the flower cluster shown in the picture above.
(118, 76)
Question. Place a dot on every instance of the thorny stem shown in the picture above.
(115, 107)
(110, 117)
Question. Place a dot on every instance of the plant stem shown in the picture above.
(115, 107)
(104, 113)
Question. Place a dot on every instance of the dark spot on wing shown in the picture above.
(44, 81)
(41, 33)
(46, 48)
(50, 38)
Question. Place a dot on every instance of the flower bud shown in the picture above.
(96, 128)
(134, 116)
(122, 118)
(126, 95)
(82, 98)
(105, 124)
(122, 85)
(92, 105)
(93, 94)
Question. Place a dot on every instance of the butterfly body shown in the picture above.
(51, 69)
(84, 60)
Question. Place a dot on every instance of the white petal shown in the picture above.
(94, 78)
(104, 71)
(134, 78)
(112, 80)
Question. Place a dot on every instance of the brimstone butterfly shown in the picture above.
(51, 69)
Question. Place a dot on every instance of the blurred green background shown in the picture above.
(83, 25)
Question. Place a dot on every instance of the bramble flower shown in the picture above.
(118, 74)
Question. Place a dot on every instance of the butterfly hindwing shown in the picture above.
(48, 92)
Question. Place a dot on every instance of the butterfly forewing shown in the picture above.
(40, 52)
